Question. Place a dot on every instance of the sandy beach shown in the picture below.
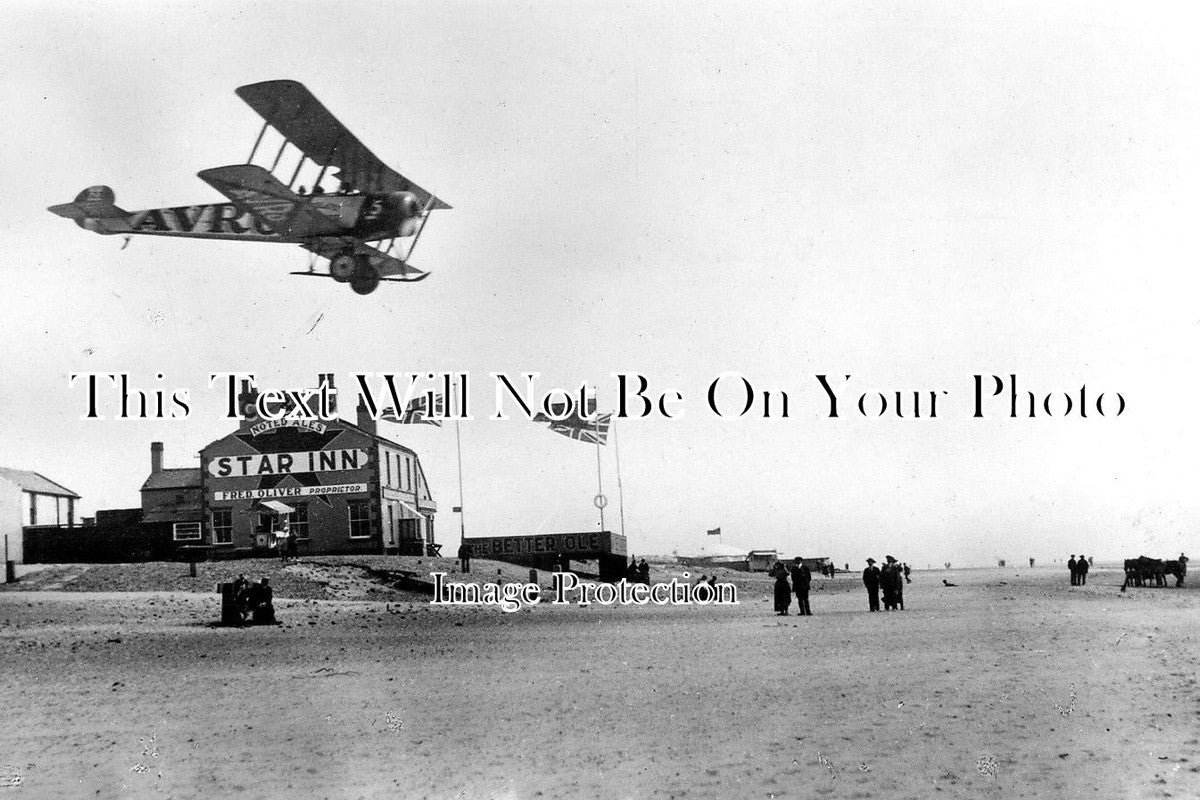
(1011, 684)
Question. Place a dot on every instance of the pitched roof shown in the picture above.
(173, 512)
(35, 482)
(174, 478)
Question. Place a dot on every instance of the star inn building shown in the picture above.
(340, 486)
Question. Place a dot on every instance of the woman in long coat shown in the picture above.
(783, 591)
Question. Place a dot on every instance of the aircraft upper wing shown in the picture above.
(292, 110)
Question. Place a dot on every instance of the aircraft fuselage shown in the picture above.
(362, 217)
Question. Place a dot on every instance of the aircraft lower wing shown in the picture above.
(388, 267)
(269, 200)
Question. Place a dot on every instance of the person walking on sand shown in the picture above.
(801, 581)
(1074, 567)
(464, 556)
(897, 584)
(889, 580)
(1081, 569)
(871, 581)
(783, 592)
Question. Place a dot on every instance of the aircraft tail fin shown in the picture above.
(94, 209)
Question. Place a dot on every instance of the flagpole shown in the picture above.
(620, 491)
(599, 478)
(462, 514)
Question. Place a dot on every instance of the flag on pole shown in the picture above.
(560, 408)
(416, 413)
(715, 532)
(594, 431)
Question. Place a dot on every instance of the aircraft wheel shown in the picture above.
(343, 266)
(365, 280)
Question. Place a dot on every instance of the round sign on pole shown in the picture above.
(601, 501)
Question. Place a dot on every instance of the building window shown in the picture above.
(32, 509)
(360, 519)
(298, 521)
(408, 465)
(410, 530)
(388, 461)
(187, 531)
(222, 525)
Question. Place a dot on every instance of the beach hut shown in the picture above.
(28, 500)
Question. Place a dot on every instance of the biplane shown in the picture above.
(355, 225)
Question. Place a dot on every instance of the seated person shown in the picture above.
(262, 610)
(241, 591)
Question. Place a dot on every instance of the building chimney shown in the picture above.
(365, 420)
(246, 404)
(156, 453)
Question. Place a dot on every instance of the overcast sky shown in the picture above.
(906, 193)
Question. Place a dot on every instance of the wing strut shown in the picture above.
(299, 166)
(328, 157)
(424, 218)
(278, 156)
(257, 142)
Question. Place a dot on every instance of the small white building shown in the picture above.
(29, 499)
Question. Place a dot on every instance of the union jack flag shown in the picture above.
(416, 412)
(594, 431)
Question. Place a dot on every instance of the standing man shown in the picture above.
(1081, 569)
(1071, 565)
(871, 581)
(464, 555)
(283, 539)
(801, 581)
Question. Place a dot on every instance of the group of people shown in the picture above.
(254, 600)
(1079, 569)
(890, 579)
(637, 571)
(801, 581)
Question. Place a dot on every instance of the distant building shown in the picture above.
(728, 556)
(30, 500)
(761, 560)
(172, 500)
